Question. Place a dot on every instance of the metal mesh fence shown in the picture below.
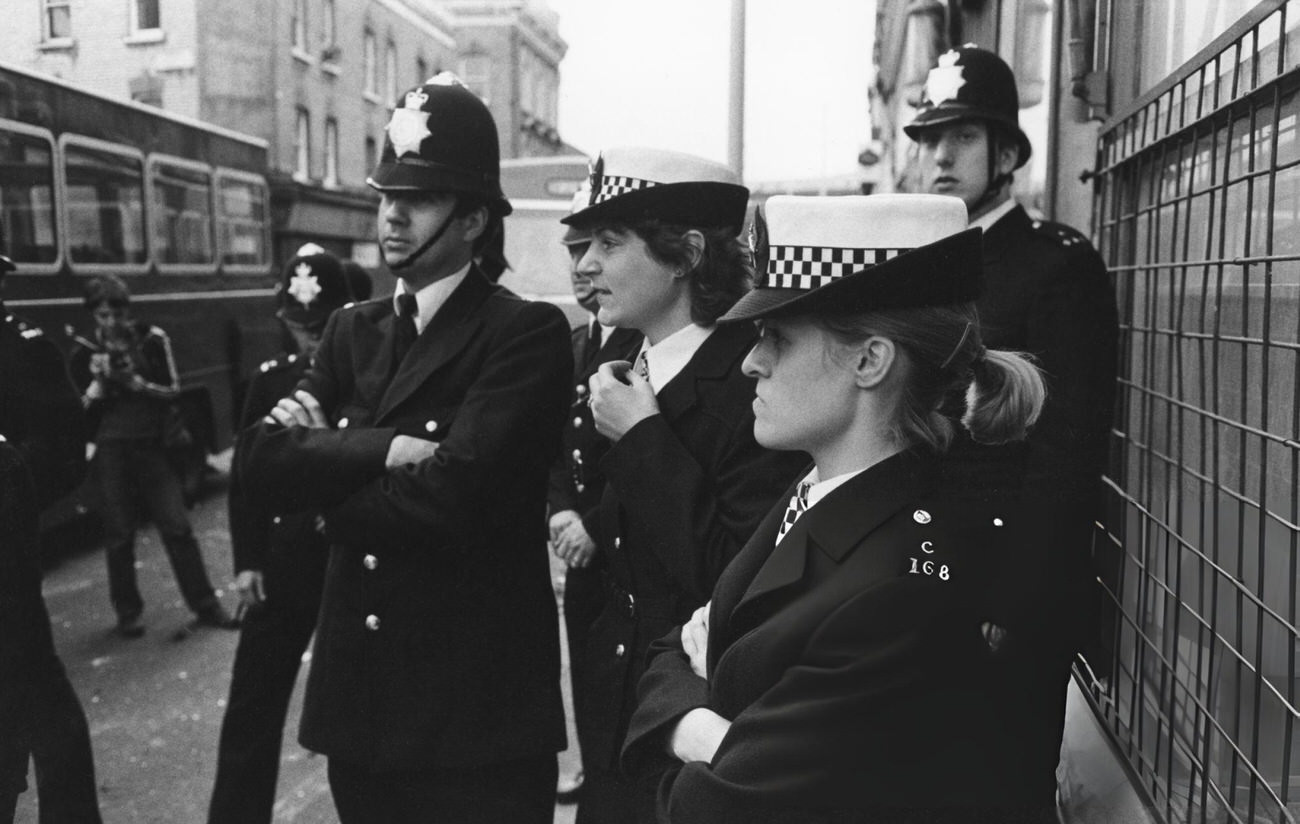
(1198, 216)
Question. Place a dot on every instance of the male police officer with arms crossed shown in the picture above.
(427, 426)
(1046, 293)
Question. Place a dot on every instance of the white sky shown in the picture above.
(655, 73)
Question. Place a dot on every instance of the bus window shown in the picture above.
(105, 203)
(241, 220)
(181, 213)
(27, 227)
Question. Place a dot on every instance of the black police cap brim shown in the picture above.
(694, 203)
(950, 113)
(947, 272)
(423, 176)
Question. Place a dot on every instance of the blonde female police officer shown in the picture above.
(685, 481)
(838, 673)
(427, 425)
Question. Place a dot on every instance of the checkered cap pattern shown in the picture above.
(611, 186)
(798, 505)
(809, 267)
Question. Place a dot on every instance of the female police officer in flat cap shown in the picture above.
(685, 481)
(837, 674)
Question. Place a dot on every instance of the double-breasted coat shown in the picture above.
(1047, 293)
(848, 660)
(684, 491)
(438, 640)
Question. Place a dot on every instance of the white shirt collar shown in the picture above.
(986, 220)
(605, 331)
(820, 489)
(669, 356)
(431, 298)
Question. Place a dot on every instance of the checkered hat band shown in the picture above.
(612, 186)
(808, 267)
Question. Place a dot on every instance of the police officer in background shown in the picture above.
(426, 427)
(1047, 293)
(42, 458)
(577, 482)
(279, 561)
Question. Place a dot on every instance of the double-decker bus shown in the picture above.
(179, 209)
(541, 191)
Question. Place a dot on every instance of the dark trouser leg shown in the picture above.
(162, 495)
(271, 643)
(584, 597)
(65, 765)
(114, 466)
(515, 792)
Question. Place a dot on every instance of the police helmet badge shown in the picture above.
(303, 286)
(945, 79)
(409, 125)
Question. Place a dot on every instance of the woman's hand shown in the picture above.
(574, 546)
(697, 736)
(620, 399)
(695, 640)
(249, 585)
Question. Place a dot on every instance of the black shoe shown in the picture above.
(215, 616)
(569, 789)
(129, 626)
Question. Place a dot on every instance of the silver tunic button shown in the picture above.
(921, 516)
(620, 650)
(577, 422)
(618, 542)
(372, 622)
(370, 562)
(580, 389)
(343, 423)
(430, 426)
(997, 522)
(276, 519)
(577, 455)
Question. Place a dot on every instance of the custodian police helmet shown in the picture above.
(312, 284)
(970, 83)
(442, 138)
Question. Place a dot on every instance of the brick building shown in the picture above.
(314, 78)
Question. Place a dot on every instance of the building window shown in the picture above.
(105, 205)
(58, 19)
(302, 146)
(369, 58)
(147, 15)
(27, 196)
(390, 73)
(421, 70)
(331, 152)
(372, 154)
(298, 27)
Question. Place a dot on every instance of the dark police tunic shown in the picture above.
(291, 553)
(1047, 293)
(685, 489)
(849, 661)
(438, 642)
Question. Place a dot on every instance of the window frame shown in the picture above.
(390, 89)
(56, 198)
(136, 28)
(210, 267)
(95, 144)
(302, 144)
(370, 65)
(48, 37)
(331, 178)
(220, 175)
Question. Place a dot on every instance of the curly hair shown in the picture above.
(720, 274)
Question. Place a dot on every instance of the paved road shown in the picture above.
(155, 704)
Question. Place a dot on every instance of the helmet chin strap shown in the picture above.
(424, 247)
(996, 181)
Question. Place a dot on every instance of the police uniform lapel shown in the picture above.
(711, 361)
(1004, 232)
(840, 521)
(446, 335)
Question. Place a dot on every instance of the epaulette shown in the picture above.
(1060, 234)
(30, 332)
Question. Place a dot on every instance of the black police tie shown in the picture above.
(798, 505)
(593, 338)
(405, 332)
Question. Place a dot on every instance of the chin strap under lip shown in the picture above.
(424, 247)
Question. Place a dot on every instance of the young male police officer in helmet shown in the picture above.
(425, 428)
(1047, 293)
(279, 561)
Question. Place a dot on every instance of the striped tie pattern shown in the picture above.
(643, 366)
(798, 505)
